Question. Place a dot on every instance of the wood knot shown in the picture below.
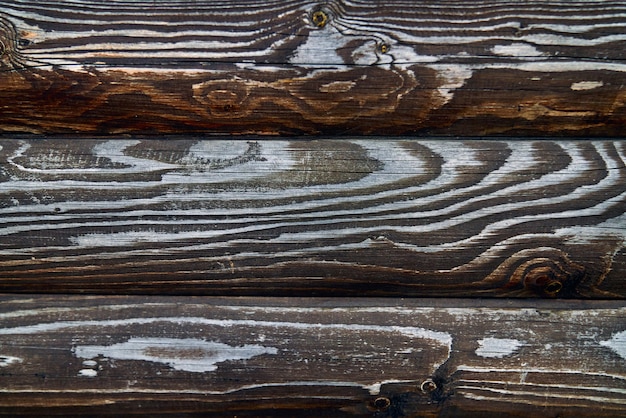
(544, 279)
(548, 278)
(554, 276)
(8, 37)
(223, 98)
(10, 43)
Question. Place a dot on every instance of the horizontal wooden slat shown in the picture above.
(530, 67)
(252, 356)
(287, 217)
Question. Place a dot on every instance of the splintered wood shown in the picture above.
(355, 67)
(350, 217)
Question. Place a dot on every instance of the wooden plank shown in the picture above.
(325, 217)
(531, 67)
(254, 356)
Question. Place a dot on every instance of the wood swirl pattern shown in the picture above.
(334, 67)
(275, 357)
(364, 216)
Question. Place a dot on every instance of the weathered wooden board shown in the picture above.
(446, 67)
(80, 355)
(325, 217)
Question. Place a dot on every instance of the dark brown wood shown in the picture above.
(348, 217)
(532, 67)
(342, 357)
(95, 198)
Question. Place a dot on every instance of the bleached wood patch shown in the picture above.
(497, 347)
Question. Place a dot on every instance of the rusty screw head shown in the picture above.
(319, 18)
(428, 386)
(382, 403)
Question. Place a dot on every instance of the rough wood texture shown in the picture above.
(349, 217)
(440, 67)
(86, 355)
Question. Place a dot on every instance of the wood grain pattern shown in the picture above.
(334, 67)
(325, 217)
(275, 357)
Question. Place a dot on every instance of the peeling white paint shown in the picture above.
(275, 157)
(545, 385)
(406, 55)
(454, 77)
(114, 150)
(191, 355)
(374, 389)
(337, 87)
(88, 373)
(543, 370)
(365, 54)
(516, 50)
(520, 396)
(572, 171)
(320, 47)
(8, 360)
(135, 349)
(586, 85)
(204, 391)
(206, 151)
(443, 338)
(497, 347)
(109, 150)
(617, 343)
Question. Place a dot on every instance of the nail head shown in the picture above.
(382, 403)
